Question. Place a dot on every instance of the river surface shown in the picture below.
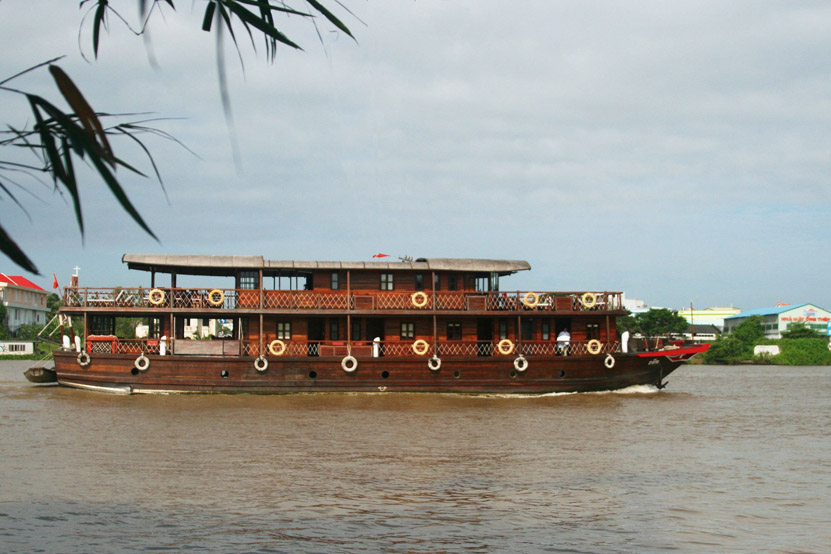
(726, 459)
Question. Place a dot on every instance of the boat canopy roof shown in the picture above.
(230, 265)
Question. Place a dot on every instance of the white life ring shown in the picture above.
(420, 347)
(142, 363)
(531, 299)
(156, 297)
(261, 363)
(220, 299)
(520, 363)
(83, 359)
(349, 364)
(419, 299)
(434, 363)
(609, 362)
(594, 346)
(505, 346)
(589, 300)
(277, 347)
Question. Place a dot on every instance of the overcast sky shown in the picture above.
(676, 151)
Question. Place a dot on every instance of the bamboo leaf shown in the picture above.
(14, 252)
(330, 16)
(120, 195)
(98, 20)
(82, 109)
(209, 16)
(248, 17)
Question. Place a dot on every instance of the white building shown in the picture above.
(25, 302)
(779, 318)
(710, 316)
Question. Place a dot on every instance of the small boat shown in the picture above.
(272, 326)
(40, 374)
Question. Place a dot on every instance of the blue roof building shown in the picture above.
(780, 318)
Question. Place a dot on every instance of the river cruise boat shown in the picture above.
(423, 325)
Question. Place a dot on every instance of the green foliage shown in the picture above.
(800, 331)
(658, 322)
(749, 331)
(53, 302)
(803, 351)
(726, 350)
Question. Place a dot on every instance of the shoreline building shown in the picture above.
(711, 316)
(780, 318)
(25, 302)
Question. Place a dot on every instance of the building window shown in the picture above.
(284, 330)
(407, 330)
(334, 329)
(248, 280)
(419, 281)
(454, 331)
(387, 282)
(335, 280)
(452, 282)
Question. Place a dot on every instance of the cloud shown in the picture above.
(670, 150)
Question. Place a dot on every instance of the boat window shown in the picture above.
(494, 281)
(407, 330)
(527, 329)
(284, 330)
(356, 329)
(334, 329)
(593, 330)
(419, 281)
(248, 280)
(452, 282)
(454, 331)
(482, 284)
(335, 280)
(546, 329)
(436, 282)
(387, 281)
(503, 329)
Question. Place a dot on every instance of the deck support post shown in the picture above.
(348, 314)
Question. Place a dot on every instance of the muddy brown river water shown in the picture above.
(726, 459)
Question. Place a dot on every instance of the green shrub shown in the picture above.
(803, 352)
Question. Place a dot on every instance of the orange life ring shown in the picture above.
(277, 347)
(589, 299)
(217, 302)
(531, 299)
(421, 347)
(419, 299)
(156, 297)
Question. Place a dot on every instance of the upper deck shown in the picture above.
(421, 285)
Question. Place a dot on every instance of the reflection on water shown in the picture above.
(725, 459)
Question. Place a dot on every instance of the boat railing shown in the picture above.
(359, 300)
(425, 349)
(108, 344)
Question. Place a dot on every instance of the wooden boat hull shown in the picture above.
(207, 374)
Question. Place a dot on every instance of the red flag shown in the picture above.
(54, 281)
(380, 255)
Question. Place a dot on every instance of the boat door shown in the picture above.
(484, 337)
(315, 335)
(375, 330)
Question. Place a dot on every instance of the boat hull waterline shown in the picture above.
(179, 374)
